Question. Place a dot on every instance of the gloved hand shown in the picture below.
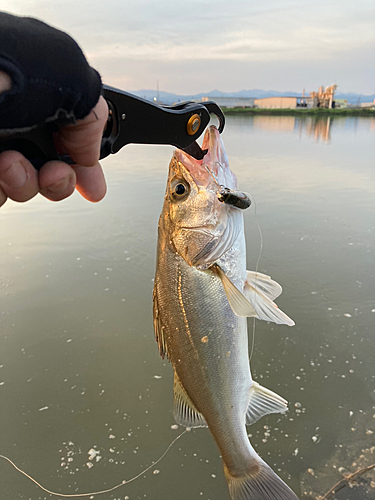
(44, 76)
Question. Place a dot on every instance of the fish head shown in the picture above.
(200, 227)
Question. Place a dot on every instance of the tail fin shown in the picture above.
(260, 484)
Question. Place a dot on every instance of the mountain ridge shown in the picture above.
(170, 97)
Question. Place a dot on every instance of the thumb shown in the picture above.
(82, 140)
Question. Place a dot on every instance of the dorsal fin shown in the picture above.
(184, 411)
(158, 326)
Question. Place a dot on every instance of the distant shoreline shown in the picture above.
(300, 112)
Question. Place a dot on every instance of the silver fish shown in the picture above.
(202, 296)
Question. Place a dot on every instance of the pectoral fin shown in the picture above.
(264, 284)
(255, 300)
(262, 402)
(259, 291)
(184, 411)
(238, 302)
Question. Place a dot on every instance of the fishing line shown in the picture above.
(76, 495)
(256, 270)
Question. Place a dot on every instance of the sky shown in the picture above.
(194, 46)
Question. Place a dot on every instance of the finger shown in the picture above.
(18, 178)
(3, 197)
(5, 82)
(82, 140)
(57, 180)
(91, 182)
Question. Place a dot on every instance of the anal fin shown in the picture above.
(184, 411)
(262, 401)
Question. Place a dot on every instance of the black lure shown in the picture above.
(236, 199)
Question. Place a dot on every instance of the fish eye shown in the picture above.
(179, 189)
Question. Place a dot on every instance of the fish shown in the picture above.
(201, 299)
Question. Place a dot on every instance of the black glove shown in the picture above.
(51, 79)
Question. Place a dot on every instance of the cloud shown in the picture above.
(129, 39)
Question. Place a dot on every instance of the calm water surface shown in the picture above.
(79, 366)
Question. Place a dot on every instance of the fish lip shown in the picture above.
(214, 167)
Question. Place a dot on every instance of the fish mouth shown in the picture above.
(214, 167)
(203, 244)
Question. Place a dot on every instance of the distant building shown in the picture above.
(341, 103)
(325, 97)
(370, 105)
(231, 102)
(283, 102)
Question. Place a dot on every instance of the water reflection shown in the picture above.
(274, 123)
(318, 128)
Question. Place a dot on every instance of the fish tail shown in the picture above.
(259, 483)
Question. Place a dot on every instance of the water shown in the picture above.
(79, 366)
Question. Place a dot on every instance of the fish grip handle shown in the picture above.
(35, 144)
(214, 109)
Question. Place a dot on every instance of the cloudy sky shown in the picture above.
(192, 46)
